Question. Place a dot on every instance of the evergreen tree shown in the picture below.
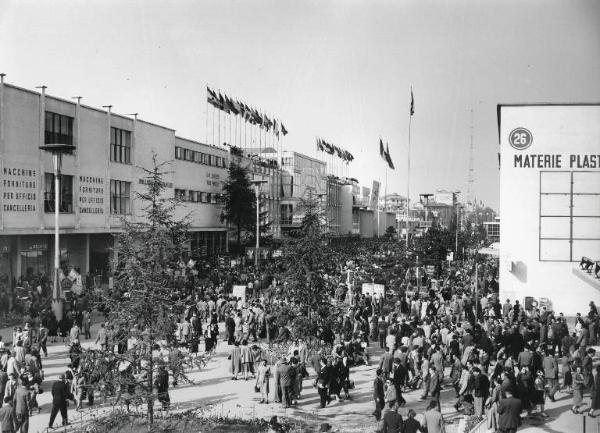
(238, 201)
(307, 294)
(146, 299)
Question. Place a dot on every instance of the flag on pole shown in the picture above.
(211, 97)
(283, 130)
(382, 150)
(388, 158)
(320, 145)
(412, 102)
(223, 103)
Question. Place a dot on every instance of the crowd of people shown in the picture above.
(498, 358)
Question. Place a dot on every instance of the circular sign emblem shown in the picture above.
(520, 138)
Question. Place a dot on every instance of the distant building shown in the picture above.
(492, 230)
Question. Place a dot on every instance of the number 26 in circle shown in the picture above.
(520, 138)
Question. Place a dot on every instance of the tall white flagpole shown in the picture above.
(408, 170)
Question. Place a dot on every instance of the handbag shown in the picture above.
(256, 388)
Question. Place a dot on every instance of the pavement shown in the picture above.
(214, 393)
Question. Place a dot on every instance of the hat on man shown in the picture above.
(325, 427)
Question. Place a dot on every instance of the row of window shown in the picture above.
(199, 157)
(197, 196)
(120, 195)
(59, 130)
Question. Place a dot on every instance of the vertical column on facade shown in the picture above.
(41, 175)
(107, 165)
(77, 162)
(2, 145)
(19, 259)
(133, 140)
(86, 262)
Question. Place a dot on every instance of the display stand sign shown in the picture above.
(239, 292)
(373, 289)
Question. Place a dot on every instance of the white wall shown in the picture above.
(525, 270)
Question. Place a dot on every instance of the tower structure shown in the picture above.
(471, 178)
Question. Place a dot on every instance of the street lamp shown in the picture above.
(257, 183)
(455, 196)
(57, 150)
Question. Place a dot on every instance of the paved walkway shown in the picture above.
(215, 393)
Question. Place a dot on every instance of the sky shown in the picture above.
(340, 70)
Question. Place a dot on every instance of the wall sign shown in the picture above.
(19, 189)
(91, 195)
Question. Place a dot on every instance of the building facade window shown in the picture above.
(193, 196)
(120, 197)
(199, 157)
(120, 145)
(58, 129)
(66, 193)
(287, 213)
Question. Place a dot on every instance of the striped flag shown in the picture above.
(412, 102)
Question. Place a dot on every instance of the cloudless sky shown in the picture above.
(341, 70)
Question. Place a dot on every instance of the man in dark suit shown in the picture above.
(587, 368)
(60, 395)
(509, 413)
(398, 379)
(386, 363)
(392, 420)
(481, 387)
(286, 378)
(378, 394)
(322, 382)
(525, 358)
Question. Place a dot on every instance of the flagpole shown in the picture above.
(377, 207)
(385, 198)
(206, 131)
(213, 126)
(408, 178)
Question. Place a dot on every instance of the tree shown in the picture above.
(145, 299)
(238, 201)
(390, 232)
(305, 260)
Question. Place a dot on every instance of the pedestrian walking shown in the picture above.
(263, 375)
(578, 387)
(378, 393)
(7, 417)
(162, 387)
(434, 422)
(21, 406)
(60, 395)
(509, 413)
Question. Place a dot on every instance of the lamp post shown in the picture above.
(455, 195)
(257, 183)
(57, 151)
(476, 289)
